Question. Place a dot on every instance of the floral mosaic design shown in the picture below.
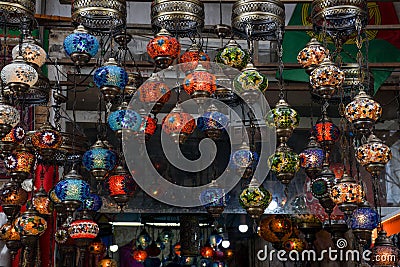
(198, 81)
(82, 43)
(83, 229)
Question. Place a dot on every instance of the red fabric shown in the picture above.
(388, 16)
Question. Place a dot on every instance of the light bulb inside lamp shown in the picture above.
(243, 228)
(226, 243)
(114, 248)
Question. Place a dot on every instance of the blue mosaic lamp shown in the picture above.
(244, 161)
(212, 123)
(72, 191)
(363, 221)
(213, 199)
(81, 46)
(312, 158)
(110, 79)
(92, 203)
(99, 160)
(124, 119)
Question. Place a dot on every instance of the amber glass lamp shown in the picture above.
(200, 83)
(163, 49)
(178, 124)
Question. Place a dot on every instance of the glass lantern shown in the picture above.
(97, 247)
(326, 132)
(31, 52)
(111, 79)
(124, 120)
(373, 155)
(199, 83)
(284, 119)
(363, 221)
(265, 232)
(163, 49)
(18, 75)
(294, 243)
(244, 161)
(326, 79)
(347, 194)
(20, 164)
(384, 253)
(144, 239)
(207, 252)
(321, 188)
(312, 158)
(30, 226)
(213, 123)
(233, 55)
(255, 199)
(284, 163)
(46, 141)
(41, 202)
(363, 112)
(194, 55)
(178, 124)
(9, 117)
(107, 262)
(312, 55)
(250, 83)
(81, 46)
(121, 186)
(280, 226)
(213, 199)
(16, 135)
(140, 255)
(154, 93)
(99, 160)
(12, 197)
(7, 232)
(83, 229)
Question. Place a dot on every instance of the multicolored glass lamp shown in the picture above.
(326, 132)
(250, 84)
(321, 188)
(120, 186)
(11, 238)
(200, 83)
(326, 79)
(363, 112)
(255, 199)
(280, 226)
(20, 163)
(111, 79)
(108, 262)
(12, 198)
(9, 117)
(284, 119)
(312, 158)
(347, 194)
(46, 141)
(99, 160)
(41, 202)
(164, 49)
(81, 46)
(19, 76)
(30, 225)
(143, 239)
(140, 255)
(9, 142)
(373, 155)
(312, 55)
(266, 233)
(363, 220)
(284, 163)
(213, 199)
(83, 231)
(124, 120)
(384, 252)
(31, 52)
(154, 93)
(243, 161)
(233, 55)
(194, 55)
(178, 124)
(213, 123)
(147, 128)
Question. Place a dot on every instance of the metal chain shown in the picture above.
(280, 62)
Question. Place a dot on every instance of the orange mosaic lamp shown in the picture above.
(163, 49)
(200, 83)
(178, 124)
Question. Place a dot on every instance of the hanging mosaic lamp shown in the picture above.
(284, 163)
(178, 124)
(83, 231)
(9, 117)
(81, 46)
(384, 252)
(92, 203)
(213, 123)
(312, 55)
(41, 202)
(321, 188)
(99, 160)
(326, 79)
(373, 155)
(233, 55)
(97, 247)
(207, 251)
(284, 119)
(19, 76)
(347, 194)
(12, 198)
(135, 80)
(31, 52)
(250, 84)
(363, 221)
(280, 226)
(11, 238)
(120, 186)
(147, 128)
(265, 230)
(139, 254)
(154, 93)
(255, 199)
(30, 225)
(46, 141)
(166, 235)
(326, 132)
(244, 161)
(213, 199)
(192, 57)
(72, 191)
(124, 120)
(111, 79)
(164, 49)
(12, 139)
(312, 158)
(20, 164)
(363, 112)
(200, 83)
(107, 262)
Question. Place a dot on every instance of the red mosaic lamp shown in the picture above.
(178, 124)
(163, 49)
(121, 186)
(46, 141)
(154, 93)
(200, 83)
(192, 57)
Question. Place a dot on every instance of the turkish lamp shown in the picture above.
(178, 124)
(30, 225)
(321, 188)
(326, 79)
(99, 160)
(11, 237)
(31, 52)
(250, 84)
(347, 194)
(107, 262)
(244, 161)
(326, 132)
(233, 55)
(12, 197)
(312, 55)
(19, 76)
(163, 49)
(255, 199)
(384, 253)
(213, 123)
(200, 84)
(147, 128)
(9, 142)
(81, 46)
(124, 120)
(120, 186)
(20, 163)
(154, 93)
(41, 202)
(363, 221)
(83, 231)
(9, 117)
(312, 158)
(192, 57)
(284, 163)
(47, 141)
(213, 199)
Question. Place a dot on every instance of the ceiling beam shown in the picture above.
(232, 1)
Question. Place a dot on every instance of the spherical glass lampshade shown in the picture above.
(154, 93)
(46, 141)
(31, 52)
(284, 119)
(321, 186)
(163, 49)
(312, 158)
(250, 83)
(140, 255)
(192, 57)
(124, 119)
(364, 218)
(284, 163)
(213, 199)
(83, 229)
(363, 112)
(120, 186)
(215, 239)
(72, 187)
(13, 194)
(326, 132)
(166, 235)
(207, 252)
(244, 161)
(312, 55)
(294, 243)
(16, 135)
(280, 225)
(212, 122)
(264, 230)
(326, 79)
(373, 155)
(178, 124)
(233, 55)
(384, 253)
(9, 117)
(41, 202)
(81, 46)
(92, 203)
(8, 232)
(107, 262)
(30, 224)
(255, 199)
(347, 194)
(200, 83)
(110, 79)
(18, 75)
(20, 164)
(99, 159)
